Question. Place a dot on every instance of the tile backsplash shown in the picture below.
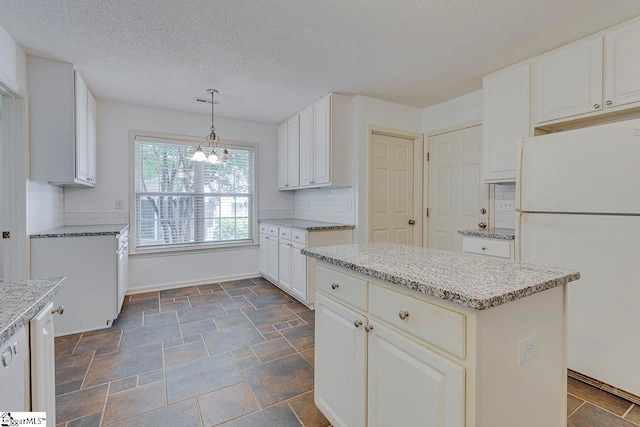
(96, 218)
(325, 204)
(46, 206)
(505, 206)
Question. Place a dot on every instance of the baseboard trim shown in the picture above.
(184, 284)
(604, 386)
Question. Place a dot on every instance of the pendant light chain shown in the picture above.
(212, 140)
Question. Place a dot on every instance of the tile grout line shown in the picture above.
(628, 410)
(576, 410)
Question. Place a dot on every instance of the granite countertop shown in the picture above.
(491, 233)
(21, 301)
(475, 281)
(82, 231)
(303, 224)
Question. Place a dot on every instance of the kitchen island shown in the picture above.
(414, 336)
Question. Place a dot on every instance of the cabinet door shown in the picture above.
(306, 146)
(569, 81)
(272, 258)
(82, 142)
(622, 85)
(506, 119)
(282, 156)
(92, 123)
(409, 382)
(284, 265)
(264, 255)
(43, 381)
(340, 364)
(322, 141)
(293, 147)
(298, 273)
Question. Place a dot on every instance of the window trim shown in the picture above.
(195, 247)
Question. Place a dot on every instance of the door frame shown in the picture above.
(426, 200)
(418, 177)
(15, 175)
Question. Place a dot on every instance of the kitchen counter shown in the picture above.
(82, 231)
(303, 224)
(20, 301)
(491, 233)
(474, 281)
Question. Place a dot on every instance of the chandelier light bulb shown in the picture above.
(199, 156)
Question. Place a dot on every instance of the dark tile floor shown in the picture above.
(237, 353)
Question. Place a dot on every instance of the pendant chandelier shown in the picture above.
(219, 153)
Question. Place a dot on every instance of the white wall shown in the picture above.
(371, 112)
(456, 111)
(115, 120)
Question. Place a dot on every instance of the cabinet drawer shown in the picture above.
(271, 230)
(438, 326)
(343, 287)
(491, 247)
(299, 236)
(285, 233)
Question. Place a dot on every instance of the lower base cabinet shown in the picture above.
(43, 372)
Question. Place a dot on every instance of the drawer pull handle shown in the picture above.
(484, 248)
(368, 328)
(609, 102)
(357, 323)
(596, 106)
(335, 285)
(403, 314)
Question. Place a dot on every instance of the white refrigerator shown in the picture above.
(578, 207)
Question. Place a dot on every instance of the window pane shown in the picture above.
(181, 202)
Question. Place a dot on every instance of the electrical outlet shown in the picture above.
(527, 349)
(119, 205)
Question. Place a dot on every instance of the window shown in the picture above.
(181, 203)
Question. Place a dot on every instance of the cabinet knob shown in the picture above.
(484, 248)
(7, 356)
(357, 323)
(368, 328)
(335, 285)
(58, 310)
(596, 106)
(609, 102)
(403, 314)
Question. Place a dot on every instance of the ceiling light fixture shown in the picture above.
(212, 140)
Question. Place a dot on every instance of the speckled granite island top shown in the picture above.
(20, 301)
(475, 281)
(491, 233)
(303, 224)
(81, 231)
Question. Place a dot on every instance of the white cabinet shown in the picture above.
(96, 277)
(43, 378)
(284, 264)
(272, 258)
(505, 120)
(340, 363)
(264, 255)
(569, 81)
(319, 145)
(62, 124)
(491, 247)
(299, 273)
(622, 66)
(408, 382)
(15, 393)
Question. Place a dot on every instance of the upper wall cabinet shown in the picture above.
(506, 119)
(569, 81)
(321, 145)
(598, 75)
(62, 124)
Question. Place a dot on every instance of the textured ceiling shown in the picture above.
(270, 58)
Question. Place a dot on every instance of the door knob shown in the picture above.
(411, 222)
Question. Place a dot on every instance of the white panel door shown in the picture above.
(81, 121)
(602, 307)
(322, 141)
(409, 382)
(282, 156)
(293, 149)
(456, 190)
(505, 120)
(340, 381)
(622, 82)
(306, 146)
(298, 273)
(391, 190)
(569, 81)
(591, 170)
(43, 372)
(284, 265)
